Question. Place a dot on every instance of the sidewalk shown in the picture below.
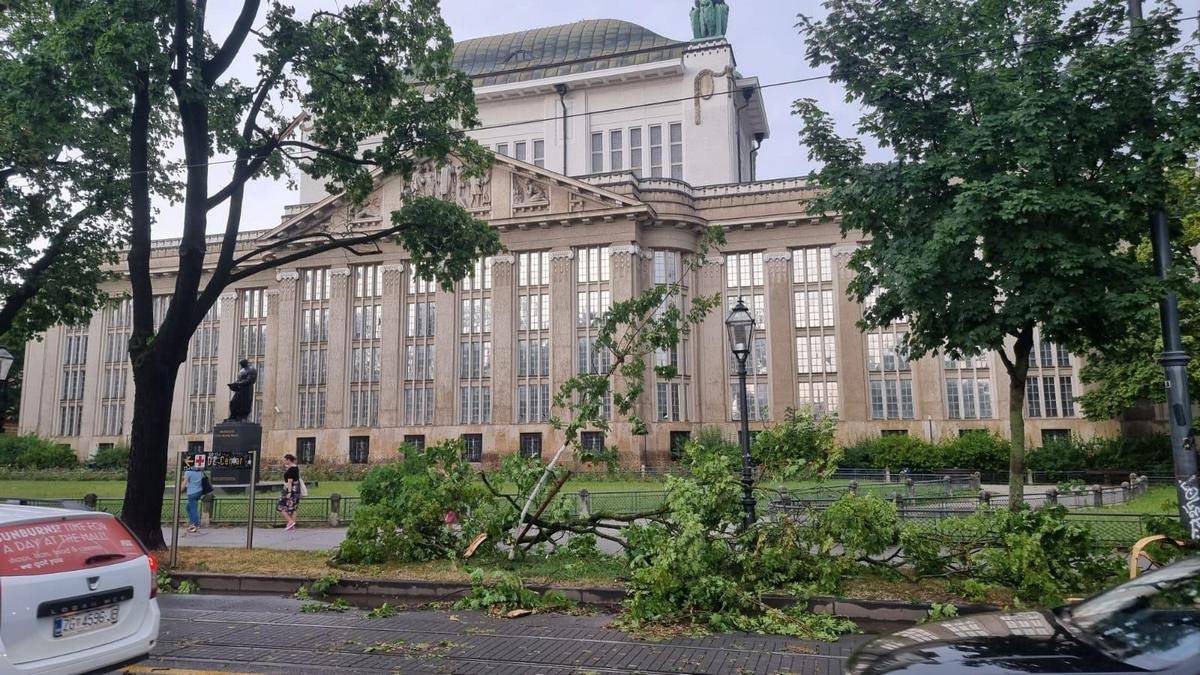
(300, 539)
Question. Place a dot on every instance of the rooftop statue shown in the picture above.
(710, 18)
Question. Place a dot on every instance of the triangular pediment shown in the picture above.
(510, 192)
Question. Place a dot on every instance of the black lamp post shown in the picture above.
(740, 325)
(6, 362)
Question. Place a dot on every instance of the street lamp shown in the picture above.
(740, 325)
(6, 362)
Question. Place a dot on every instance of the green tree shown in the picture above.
(61, 214)
(377, 70)
(1029, 144)
(1127, 371)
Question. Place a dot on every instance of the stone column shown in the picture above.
(227, 351)
(336, 390)
(270, 421)
(390, 362)
(624, 286)
(854, 405)
(503, 346)
(281, 332)
(445, 343)
(711, 382)
(781, 333)
(562, 320)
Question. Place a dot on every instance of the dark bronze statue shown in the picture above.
(243, 392)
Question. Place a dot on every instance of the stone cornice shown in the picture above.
(287, 275)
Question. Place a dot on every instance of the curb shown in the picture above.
(373, 592)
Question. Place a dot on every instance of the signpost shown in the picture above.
(175, 509)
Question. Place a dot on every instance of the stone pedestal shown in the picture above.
(230, 459)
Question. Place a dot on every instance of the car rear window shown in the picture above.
(63, 545)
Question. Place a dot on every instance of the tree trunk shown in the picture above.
(153, 394)
(1018, 374)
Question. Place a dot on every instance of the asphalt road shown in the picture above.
(271, 635)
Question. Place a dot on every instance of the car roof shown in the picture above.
(19, 513)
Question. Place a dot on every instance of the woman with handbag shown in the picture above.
(293, 490)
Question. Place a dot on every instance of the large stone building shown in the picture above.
(616, 148)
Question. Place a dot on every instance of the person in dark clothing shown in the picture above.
(290, 500)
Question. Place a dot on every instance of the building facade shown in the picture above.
(616, 148)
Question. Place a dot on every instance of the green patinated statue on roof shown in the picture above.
(710, 18)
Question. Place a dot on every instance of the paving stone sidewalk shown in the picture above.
(300, 539)
(271, 635)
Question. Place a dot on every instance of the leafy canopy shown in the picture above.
(1023, 162)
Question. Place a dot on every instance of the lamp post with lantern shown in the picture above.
(740, 325)
(6, 363)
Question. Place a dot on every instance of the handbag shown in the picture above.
(303, 489)
(206, 487)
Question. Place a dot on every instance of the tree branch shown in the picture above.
(332, 245)
(328, 152)
(220, 62)
(34, 278)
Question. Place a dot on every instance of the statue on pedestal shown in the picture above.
(710, 18)
(243, 392)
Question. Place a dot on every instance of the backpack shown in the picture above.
(206, 487)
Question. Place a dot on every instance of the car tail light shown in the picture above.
(153, 574)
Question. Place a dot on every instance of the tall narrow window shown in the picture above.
(519, 150)
(598, 152)
(676, 130)
(671, 372)
(202, 375)
(366, 344)
(744, 280)
(539, 153)
(419, 358)
(592, 277)
(533, 337)
(816, 341)
(1051, 365)
(502, 149)
(252, 339)
(968, 388)
(656, 151)
(118, 324)
(635, 151)
(890, 391)
(313, 364)
(74, 372)
(475, 346)
(616, 149)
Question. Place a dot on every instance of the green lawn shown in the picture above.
(1158, 500)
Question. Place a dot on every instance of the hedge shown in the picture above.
(32, 452)
(989, 452)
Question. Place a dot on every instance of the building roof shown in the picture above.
(580, 47)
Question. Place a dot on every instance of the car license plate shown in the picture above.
(84, 622)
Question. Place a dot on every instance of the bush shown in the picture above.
(1142, 454)
(427, 507)
(976, 451)
(113, 458)
(32, 452)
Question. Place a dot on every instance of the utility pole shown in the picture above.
(1174, 361)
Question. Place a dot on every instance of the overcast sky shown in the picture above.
(762, 32)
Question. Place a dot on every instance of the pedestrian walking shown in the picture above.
(293, 490)
(193, 486)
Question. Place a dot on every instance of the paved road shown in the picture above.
(270, 635)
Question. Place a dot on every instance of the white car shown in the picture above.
(77, 592)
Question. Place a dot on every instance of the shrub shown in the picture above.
(112, 458)
(1143, 454)
(976, 451)
(32, 452)
(801, 446)
(405, 516)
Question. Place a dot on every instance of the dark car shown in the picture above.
(1150, 624)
